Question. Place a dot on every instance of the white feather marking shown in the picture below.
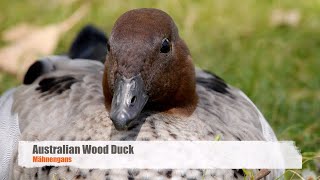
(267, 131)
(268, 134)
(65, 63)
(9, 134)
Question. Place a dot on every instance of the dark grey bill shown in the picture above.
(128, 100)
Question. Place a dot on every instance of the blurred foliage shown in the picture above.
(276, 66)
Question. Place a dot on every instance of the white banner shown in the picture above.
(161, 154)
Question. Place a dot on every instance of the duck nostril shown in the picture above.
(133, 100)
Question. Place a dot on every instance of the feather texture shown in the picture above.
(9, 134)
(78, 113)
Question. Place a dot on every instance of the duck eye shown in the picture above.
(165, 46)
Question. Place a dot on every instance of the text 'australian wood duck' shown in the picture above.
(147, 90)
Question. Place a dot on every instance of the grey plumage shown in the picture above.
(78, 113)
(9, 134)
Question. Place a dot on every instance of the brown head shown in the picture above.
(148, 67)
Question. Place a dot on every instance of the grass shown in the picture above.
(277, 67)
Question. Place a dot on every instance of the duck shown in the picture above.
(148, 89)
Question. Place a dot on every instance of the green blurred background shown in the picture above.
(276, 64)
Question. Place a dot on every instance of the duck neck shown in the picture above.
(183, 101)
(106, 90)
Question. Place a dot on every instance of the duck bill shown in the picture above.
(129, 98)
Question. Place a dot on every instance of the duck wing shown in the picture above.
(64, 85)
(239, 107)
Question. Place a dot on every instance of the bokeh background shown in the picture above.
(269, 49)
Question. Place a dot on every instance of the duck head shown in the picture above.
(148, 67)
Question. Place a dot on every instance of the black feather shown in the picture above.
(90, 43)
(34, 71)
(55, 85)
(214, 83)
